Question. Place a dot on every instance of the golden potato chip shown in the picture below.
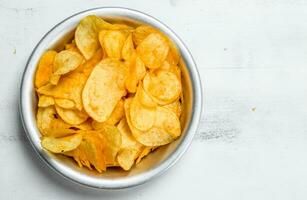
(136, 73)
(173, 55)
(128, 48)
(44, 68)
(63, 144)
(144, 152)
(64, 103)
(126, 158)
(164, 87)
(166, 66)
(113, 142)
(165, 129)
(54, 79)
(153, 50)
(66, 61)
(72, 47)
(90, 151)
(112, 41)
(102, 90)
(141, 32)
(142, 117)
(86, 34)
(69, 87)
(144, 98)
(116, 116)
(87, 67)
(45, 101)
(140, 68)
(175, 107)
(50, 124)
(128, 141)
(70, 116)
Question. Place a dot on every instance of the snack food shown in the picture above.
(111, 96)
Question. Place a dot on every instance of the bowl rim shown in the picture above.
(147, 175)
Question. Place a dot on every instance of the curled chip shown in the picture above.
(141, 117)
(112, 41)
(141, 32)
(45, 101)
(130, 148)
(153, 50)
(144, 152)
(128, 49)
(114, 140)
(86, 35)
(111, 96)
(164, 87)
(64, 103)
(175, 107)
(70, 116)
(116, 116)
(44, 68)
(90, 151)
(165, 129)
(69, 87)
(144, 98)
(126, 158)
(63, 144)
(66, 61)
(101, 93)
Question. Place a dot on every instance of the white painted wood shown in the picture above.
(252, 56)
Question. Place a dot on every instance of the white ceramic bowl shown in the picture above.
(154, 164)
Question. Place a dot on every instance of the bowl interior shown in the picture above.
(113, 177)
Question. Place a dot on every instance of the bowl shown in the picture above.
(151, 166)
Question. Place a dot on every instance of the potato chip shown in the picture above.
(174, 107)
(87, 67)
(64, 103)
(165, 129)
(44, 68)
(113, 145)
(130, 148)
(128, 141)
(173, 55)
(112, 41)
(66, 61)
(54, 79)
(90, 151)
(142, 117)
(144, 98)
(72, 47)
(136, 73)
(45, 101)
(164, 87)
(86, 34)
(153, 50)
(116, 116)
(69, 87)
(63, 144)
(141, 32)
(144, 152)
(126, 158)
(70, 116)
(128, 48)
(50, 124)
(140, 68)
(101, 93)
(166, 66)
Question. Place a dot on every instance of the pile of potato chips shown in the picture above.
(111, 96)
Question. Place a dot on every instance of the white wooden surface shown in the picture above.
(252, 56)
